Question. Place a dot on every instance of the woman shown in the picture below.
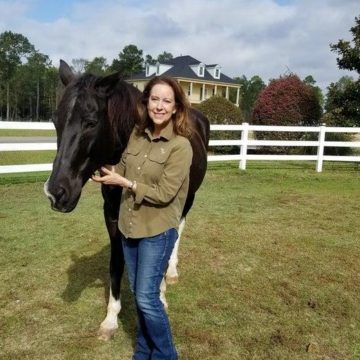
(154, 174)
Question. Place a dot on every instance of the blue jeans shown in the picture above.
(146, 262)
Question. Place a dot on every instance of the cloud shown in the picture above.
(262, 37)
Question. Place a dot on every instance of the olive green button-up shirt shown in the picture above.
(160, 166)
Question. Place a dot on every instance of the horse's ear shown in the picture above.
(106, 84)
(65, 72)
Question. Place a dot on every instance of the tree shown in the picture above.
(150, 60)
(78, 65)
(38, 63)
(29, 88)
(344, 98)
(342, 103)
(286, 101)
(130, 61)
(309, 80)
(164, 57)
(97, 66)
(349, 56)
(13, 48)
(249, 91)
(52, 90)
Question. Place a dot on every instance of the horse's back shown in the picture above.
(199, 142)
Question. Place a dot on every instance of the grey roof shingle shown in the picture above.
(181, 68)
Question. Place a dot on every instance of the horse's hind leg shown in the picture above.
(172, 275)
(109, 326)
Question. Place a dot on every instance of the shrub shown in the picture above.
(221, 111)
(339, 151)
(286, 101)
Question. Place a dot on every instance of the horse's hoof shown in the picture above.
(106, 334)
(171, 280)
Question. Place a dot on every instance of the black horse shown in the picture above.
(93, 123)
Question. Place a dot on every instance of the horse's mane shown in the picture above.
(123, 111)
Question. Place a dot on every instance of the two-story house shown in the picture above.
(198, 80)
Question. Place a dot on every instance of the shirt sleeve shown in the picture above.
(176, 169)
(121, 165)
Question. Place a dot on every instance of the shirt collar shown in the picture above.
(166, 133)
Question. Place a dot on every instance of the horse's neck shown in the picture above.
(124, 115)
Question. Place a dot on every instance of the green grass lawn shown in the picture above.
(269, 269)
(27, 133)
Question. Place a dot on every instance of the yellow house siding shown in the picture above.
(197, 95)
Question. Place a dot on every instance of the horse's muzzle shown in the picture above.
(59, 199)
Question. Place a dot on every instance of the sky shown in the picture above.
(268, 38)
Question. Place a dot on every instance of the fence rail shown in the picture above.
(244, 144)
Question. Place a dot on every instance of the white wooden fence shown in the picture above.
(244, 143)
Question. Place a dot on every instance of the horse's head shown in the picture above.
(85, 136)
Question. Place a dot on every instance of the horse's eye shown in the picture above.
(89, 124)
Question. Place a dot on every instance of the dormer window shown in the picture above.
(214, 71)
(158, 69)
(147, 69)
(201, 70)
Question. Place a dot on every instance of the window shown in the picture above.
(217, 73)
(201, 70)
(189, 90)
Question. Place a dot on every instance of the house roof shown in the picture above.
(182, 69)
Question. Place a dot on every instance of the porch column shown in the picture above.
(227, 93)
(203, 92)
(215, 90)
(237, 96)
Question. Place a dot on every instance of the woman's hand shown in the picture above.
(110, 177)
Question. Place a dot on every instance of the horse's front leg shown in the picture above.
(111, 212)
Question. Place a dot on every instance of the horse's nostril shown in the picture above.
(60, 194)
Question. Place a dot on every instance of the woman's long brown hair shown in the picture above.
(180, 118)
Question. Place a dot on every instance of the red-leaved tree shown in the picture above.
(286, 101)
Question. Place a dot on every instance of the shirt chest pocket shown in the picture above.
(157, 160)
(133, 151)
(132, 160)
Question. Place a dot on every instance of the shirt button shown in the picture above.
(145, 155)
(129, 209)
(139, 168)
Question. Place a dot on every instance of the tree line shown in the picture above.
(29, 85)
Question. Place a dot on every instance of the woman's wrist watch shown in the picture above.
(132, 184)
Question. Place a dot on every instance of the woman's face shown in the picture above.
(161, 105)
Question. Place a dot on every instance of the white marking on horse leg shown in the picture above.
(172, 275)
(162, 293)
(109, 326)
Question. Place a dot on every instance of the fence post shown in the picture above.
(320, 151)
(243, 146)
